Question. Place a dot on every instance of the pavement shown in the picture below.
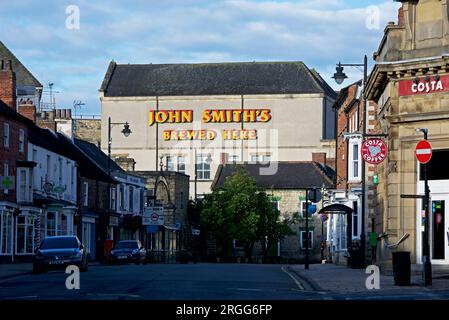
(10, 270)
(339, 281)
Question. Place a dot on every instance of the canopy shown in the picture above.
(336, 208)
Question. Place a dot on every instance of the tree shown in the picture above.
(239, 210)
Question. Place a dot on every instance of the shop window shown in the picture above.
(25, 235)
(260, 158)
(87, 233)
(51, 224)
(437, 168)
(131, 198)
(181, 164)
(303, 239)
(5, 232)
(62, 225)
(202, 167)
(355, 219)
(304, 209)
(113, 199)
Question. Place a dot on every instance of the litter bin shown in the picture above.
(401, 268)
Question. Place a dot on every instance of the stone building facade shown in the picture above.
(410, 85)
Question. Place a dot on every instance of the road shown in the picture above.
(161, 282)
(183, 282)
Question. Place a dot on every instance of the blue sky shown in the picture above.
(318, 32)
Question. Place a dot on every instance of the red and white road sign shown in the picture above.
(423, 151)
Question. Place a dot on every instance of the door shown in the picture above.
(439, 229)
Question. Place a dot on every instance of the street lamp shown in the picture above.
(426, 200)
(339, 77)
(126, 132)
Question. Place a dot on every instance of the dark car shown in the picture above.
(128, 251)
(59, 252)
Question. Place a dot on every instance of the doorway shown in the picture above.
(439, 229)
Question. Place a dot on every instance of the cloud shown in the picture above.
(319, 32)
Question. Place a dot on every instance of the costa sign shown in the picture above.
(374, 150)
(426, 85)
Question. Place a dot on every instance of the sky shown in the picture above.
(46, 36)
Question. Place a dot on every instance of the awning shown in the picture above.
(336, 208)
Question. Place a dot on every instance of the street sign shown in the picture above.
(412, 196)
(312, 208)
(374, 150)
(153, 216)
(423, 151)
(315, 195)
(195, 232)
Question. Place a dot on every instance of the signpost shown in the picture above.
(374, 150)
(423, 154)
(153, 216)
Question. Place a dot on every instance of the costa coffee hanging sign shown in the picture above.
(374, 150)
(425, 85)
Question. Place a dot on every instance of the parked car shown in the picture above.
(59, 252)
(128, 251)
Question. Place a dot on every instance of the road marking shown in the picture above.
(21, 297)
(248, 289)
(300, 286)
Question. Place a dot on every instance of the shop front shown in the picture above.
(7, 210)
(26, 236)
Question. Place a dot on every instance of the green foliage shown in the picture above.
(239, 210)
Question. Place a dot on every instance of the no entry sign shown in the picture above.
(423, 151)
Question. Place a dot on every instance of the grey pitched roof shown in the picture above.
(124, 80)
(97, 155)
(23, 76)
(289, 175)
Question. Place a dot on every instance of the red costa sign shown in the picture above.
(374, 151)
(426, 85)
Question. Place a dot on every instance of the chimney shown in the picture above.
(401, 18)
(224, 158)
(319, 157)
(7, 84)
(27, 109)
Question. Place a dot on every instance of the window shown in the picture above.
(113, 199)
(60, 171)
(6, 135)
(260, 158)
(181, 198)
(131, 198)
(25, 235)
(87, 234)
(21, 141)
(181, 164)
(142, 200)
(303, 239)
(169, 164)
(121, 197)
(85, 194)
(5, 174)
(62, 225)
(233, 158)
(51, 224)
(303, 208)
(48, 177)
(22, 192)
(354, 167)
(5, 232)
(202, 167)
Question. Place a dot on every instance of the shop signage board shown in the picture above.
(423, 151)
(424, 85)
(7, 182)
(374, 150)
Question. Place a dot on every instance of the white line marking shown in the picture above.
(424, 151)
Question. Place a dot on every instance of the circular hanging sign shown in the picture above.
(423, 151)
(374, 150)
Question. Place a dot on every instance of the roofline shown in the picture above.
(26, 69)
(108, 76)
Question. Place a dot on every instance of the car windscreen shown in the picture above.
(127, 245)
(59, 243)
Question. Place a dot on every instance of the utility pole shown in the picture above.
(306, 257)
